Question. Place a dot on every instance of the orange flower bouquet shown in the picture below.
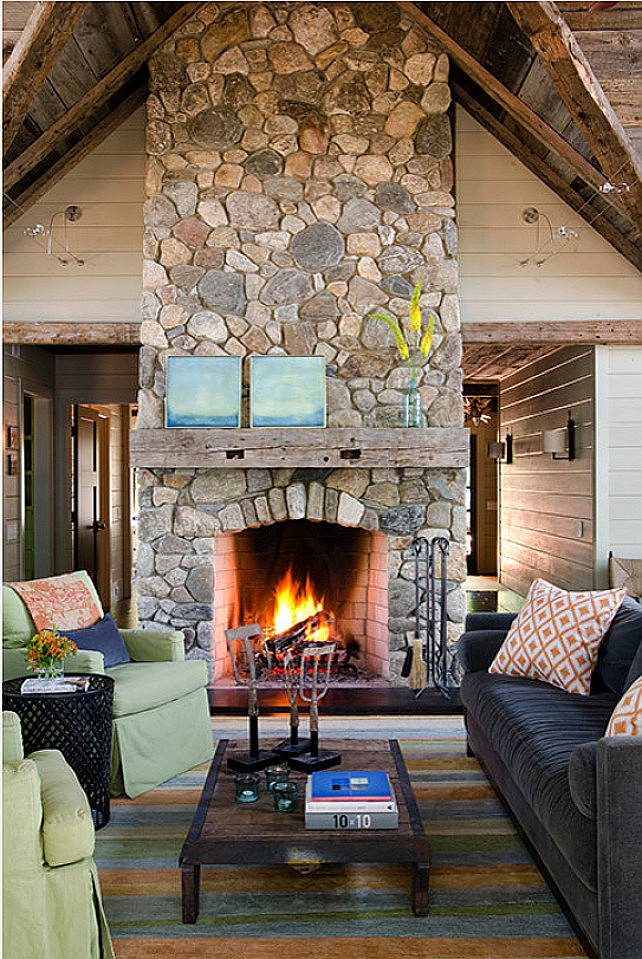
(46, 652)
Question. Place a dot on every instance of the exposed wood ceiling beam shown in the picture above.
(587, 103)
(58, 170)
(37, 49)
(549, 176)
(95, 98)
(42, 333)
(570, 332)
(517, 109)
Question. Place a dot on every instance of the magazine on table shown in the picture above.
(61, 684)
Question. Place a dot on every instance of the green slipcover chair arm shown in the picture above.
(154, 645)
(85, 661)
(11, 737)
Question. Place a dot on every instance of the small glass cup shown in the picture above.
(277, 773)
(247, 787)
(285, 796)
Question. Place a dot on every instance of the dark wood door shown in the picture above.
(91, 533)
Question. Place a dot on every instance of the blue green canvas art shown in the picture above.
(203, 391)
(287, 391)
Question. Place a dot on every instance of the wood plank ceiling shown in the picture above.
(560, 85)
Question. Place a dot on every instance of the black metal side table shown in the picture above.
(78, 724)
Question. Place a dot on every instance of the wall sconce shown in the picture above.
(502, 452)
(71, 214)
(547, 239)
(561, 444)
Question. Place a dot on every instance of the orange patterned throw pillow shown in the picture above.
(626, 719)
(557, 636)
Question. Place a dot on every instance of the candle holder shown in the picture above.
(278, 773)
(239, 639)
(292, 746)
(285, 796)
(246, 787)
(310, 692)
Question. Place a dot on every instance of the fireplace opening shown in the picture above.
(306, 581)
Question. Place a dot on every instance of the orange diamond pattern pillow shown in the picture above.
(626, 719)
(557, 636)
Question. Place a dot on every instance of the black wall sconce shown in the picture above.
(560, 444)
(502, 452)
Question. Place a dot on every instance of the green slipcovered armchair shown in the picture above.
(52, 908)
(161, 722)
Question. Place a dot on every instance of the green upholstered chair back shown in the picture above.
(17, 624)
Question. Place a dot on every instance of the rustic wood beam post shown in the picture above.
(517, 109)
(570, 332)
(37, 49)
(580, 90)
(550, 177)
(96, 97)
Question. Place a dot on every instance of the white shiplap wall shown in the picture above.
(108, 185)
(619, 453)
(589, 280)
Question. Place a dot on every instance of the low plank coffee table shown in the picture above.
(224, 832)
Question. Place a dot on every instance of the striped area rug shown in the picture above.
(487, 897)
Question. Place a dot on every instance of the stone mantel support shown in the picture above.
(444, 447)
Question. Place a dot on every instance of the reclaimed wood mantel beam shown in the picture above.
(330, 447)
(578, 87)
(36, 51)
(515, 107)
(95, 98)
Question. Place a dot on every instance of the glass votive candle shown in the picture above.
(285, 795)
(277, 773)
(247, 787)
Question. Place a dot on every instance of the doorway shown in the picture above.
(482, 418)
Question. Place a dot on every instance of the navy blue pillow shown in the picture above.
(103, 637)
(618, 648)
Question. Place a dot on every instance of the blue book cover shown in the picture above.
(341, 786)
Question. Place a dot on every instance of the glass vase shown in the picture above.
(412, 410)
(53, 670)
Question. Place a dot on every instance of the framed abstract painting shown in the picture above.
(287, 391)
(203, 391)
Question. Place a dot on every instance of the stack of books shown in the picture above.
(363, 799)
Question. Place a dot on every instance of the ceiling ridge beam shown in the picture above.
(565, 332)
(95, 98)
(49, 27)
(580, 90)
(550, 177)
(519, 110)
(20, 204)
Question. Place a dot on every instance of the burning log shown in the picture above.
(290, 638)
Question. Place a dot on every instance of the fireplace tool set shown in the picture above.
(426, 663)
(310, 682)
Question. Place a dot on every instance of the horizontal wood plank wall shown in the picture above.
(543, 501)
(588, 280)
(625, 450)
(109, 186)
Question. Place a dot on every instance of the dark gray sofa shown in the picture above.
(576, 795)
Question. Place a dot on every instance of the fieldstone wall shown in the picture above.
(299, 176)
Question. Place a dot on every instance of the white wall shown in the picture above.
(619, 453)
(589, 280)
(108, 185)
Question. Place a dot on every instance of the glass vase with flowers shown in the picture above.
(46, 651)
(412, 353)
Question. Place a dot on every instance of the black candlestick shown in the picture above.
(256, 758)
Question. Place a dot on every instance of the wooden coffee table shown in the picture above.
(224, 832)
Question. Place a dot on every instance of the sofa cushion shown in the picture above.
(141, 686)
(534, 727)
(67, 826)
(103, 637)
(617, 650)
(635, 668)
(626, 719)
(557, 634)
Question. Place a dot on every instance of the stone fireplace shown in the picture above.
(298, 178)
